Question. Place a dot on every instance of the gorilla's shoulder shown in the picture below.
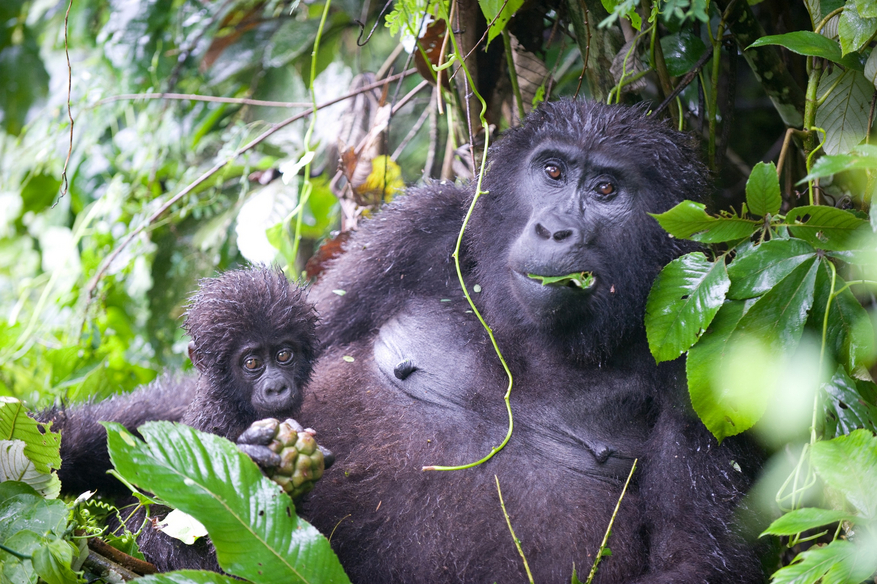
(403, 251)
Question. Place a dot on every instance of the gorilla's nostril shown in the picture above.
(542, 232)
(562, 234)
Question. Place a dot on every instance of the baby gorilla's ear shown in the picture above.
(195, 358)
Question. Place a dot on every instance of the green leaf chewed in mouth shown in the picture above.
(583, 280)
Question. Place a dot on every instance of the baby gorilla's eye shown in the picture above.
(606, 188)
(552, 170)
(252, 363)
(284, 356)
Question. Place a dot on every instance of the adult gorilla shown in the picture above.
(568, 192)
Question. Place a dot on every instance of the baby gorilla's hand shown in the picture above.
(286, 453)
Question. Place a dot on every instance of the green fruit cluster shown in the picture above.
(301, 461)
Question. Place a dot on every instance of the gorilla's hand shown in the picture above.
(286, 453)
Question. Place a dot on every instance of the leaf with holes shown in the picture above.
(844, 408)
(251, 521)
(763, 190)
(689, 220)
(844, 113)
(826, 227)
(761, 267)
(682, 303)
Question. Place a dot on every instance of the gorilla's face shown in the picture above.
(578, 207)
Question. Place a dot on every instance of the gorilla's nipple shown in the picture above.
(602, 453)
(404, 369)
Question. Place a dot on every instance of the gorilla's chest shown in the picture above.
(440, 364)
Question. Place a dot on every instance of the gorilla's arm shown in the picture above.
(401, 253)
(693, 490)
(84, 457)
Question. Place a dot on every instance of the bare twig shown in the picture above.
(689, 77)
(69, 112)
(413, 132)
(587, 54)
(219, 166)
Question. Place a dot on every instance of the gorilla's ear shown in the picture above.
(195, 357)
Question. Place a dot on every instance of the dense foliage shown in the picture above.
(146, 144)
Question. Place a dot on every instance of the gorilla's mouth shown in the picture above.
(578, 280)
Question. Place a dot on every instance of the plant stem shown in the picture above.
(609, 527)
(514, 537)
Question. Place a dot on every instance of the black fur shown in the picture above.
(243, 314)
(587, 397)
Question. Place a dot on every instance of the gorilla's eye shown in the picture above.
(606, 188)
(552, 170)
(284, 356)
(252, 363)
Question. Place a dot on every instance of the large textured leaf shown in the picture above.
(777, 318)
(681, 50)
(844, 113)
(826, 227)
(867, 8)
(763, 190)
(689, 220)
(725, 408)
(863, 156)
(871, 67)
(849, 334)
(43, 449)
(761, 267)
(840, 562)
(188, 577)
(854, 30)
(848, 464)
(31, 512)
(682, 303)
(251, 521)
(844, 408)
(803, 519)
(16, 466)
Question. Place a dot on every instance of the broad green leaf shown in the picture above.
(17, 571)
(681, 52)
(849, 334)
(761, 267)
(763, 190)
(188, 577)
(863, 156)
(845, 409)
(848, 464)
(43, 449)
(854, 30)
(251, 521)
(866, 8)
(839, 562)
(52, 562)
(682, 303)
(725, 409)
(32, 513)
(803, 519)
(777, 318)
(807, 43)
(689, 220)
(826, 227)
(16, 466)
(491, 8)
(844, 113)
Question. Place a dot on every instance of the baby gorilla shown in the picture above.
(253, 345)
